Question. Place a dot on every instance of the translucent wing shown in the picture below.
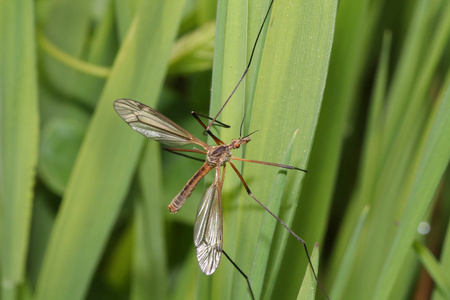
(153, 124)
(208, 232)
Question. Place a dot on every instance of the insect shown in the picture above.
(208, 223)
(208, 227)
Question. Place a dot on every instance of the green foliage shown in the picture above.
(358, 94)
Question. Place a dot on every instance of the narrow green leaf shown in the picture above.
(431, 162)
(150, 258)
(350, 256)
(287, 97)
(352, 39)
(193, 52)
(261, 255)
(444, 261)
(108, 156)
(309, 284)
(439, 274)
(19, 138)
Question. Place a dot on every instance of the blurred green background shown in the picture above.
(355, 91)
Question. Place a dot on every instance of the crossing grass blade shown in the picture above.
(438, 273)
(444, 262)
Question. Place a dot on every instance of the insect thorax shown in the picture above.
(218, 155)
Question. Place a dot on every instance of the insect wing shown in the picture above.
(153, 124)
(208, 232)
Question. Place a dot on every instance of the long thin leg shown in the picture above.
(282, 223)
(234, 264)
(242, 273)
(215, 138)
(268, 163)
(174, 151)
(208, 117)
(185, 150)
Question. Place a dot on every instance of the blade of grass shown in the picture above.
(350, 256)
(293, 89)
(355, 26)
(309, 284)
(431, 161)
(261, 254)
(150, 259)
(387, 194)
(439, 275)
(445, 262)
(368, 167)
(193, 52)
(278, 112)
(107, 161)
(19, 123)
(230, 59)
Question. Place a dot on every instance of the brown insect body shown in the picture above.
(208, 230)
(216, 156)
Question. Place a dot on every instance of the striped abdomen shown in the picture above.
(187, 190)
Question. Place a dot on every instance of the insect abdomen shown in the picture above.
(187, 190)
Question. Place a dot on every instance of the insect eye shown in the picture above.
(237, 146)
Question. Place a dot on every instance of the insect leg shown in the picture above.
(208, 117)
(249, 192)
(269, 164)
(242, 273)
(246, 69)
(174, 151)
(215, 138)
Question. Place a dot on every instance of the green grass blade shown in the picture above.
(385, 180)
(150, 259)
(295, 95)
(445, 262)
(193, 52)
(108, 157)
(19, 123)
(287, 98)
(369, 167)
(431, 162)
(267, 229)
(230, 59)
(349, 258)
(353, 37)
(309, 284)
(439, 274)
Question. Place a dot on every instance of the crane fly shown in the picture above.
(208, 237)
(208, 227)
